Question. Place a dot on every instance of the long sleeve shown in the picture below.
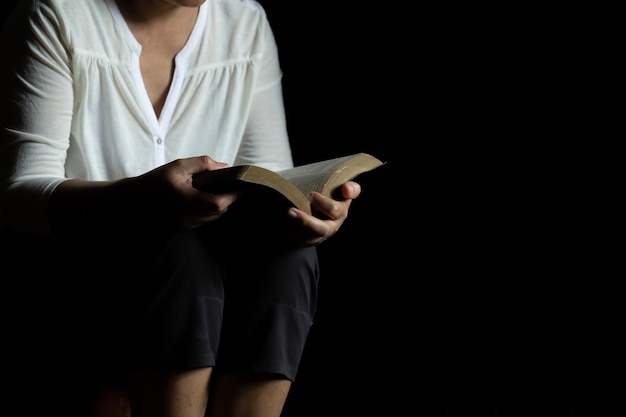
(265, 140)
(35, 122)
(77, 106)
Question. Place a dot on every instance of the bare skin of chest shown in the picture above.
(157, 69)
(161, 40)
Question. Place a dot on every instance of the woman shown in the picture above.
(110, 108)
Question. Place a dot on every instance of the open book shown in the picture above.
(291, 185)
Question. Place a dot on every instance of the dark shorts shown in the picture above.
(224, 295)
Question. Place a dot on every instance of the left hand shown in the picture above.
(307, 230)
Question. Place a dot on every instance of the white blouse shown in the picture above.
(74, 104)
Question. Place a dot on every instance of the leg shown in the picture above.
(271, 302)
(179, 318)
(172, 304)
(248, 395)
(178, 314)
(170, 393)
(111, 401)
(271, 297)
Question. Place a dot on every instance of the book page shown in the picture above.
(325, 176)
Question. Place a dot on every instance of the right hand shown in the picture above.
(168, 191)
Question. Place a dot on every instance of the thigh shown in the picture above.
(270, 304)
(175, 303)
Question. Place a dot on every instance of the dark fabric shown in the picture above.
(91, 310)
(263, 298)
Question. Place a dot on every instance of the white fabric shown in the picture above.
(75, 106)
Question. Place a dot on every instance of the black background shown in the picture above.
(467, 280)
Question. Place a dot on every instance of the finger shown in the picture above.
(351, 190)
(208, 163)
(311, 229)
(219, 203)
(327, 208)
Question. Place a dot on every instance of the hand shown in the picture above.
(164, 197)
(169, 189)
(329, 216)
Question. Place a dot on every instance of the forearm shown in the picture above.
(78, 207)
